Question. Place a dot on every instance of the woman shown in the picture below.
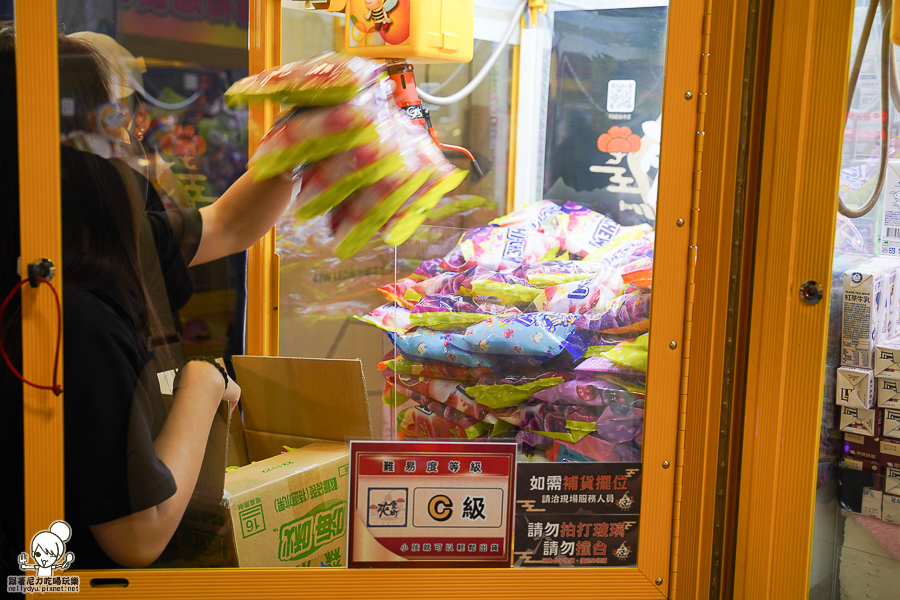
(131, 465)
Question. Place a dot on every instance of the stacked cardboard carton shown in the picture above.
(868, 386)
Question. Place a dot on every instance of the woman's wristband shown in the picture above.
(213, 362)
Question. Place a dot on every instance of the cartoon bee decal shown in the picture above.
(379, 9)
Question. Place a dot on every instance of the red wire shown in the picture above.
(56, 388)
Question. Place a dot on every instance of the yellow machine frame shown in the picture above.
(668, 550)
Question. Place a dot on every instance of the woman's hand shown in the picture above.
(198, 378)
(232, 394)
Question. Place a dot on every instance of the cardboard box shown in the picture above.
(855, 387)
(862, 313)
(890, 427)
(891, 471)
(862, 464)
(887, 392)
(288, 509)
(887, 309)
(862, 446)
(872, 503)
(861, 421)
(890, 509)
(889, 448)
(887, 359)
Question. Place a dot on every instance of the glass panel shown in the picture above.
(853, 534)
(148, 143)
(320, 294)
(532, 330)
(12, 527)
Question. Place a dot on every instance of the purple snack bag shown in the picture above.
(444, 303)
(582, 391)
(620, 423)
(629, 313)
(428, 269)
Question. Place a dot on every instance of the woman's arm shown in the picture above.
(242, 215)
(135, 541)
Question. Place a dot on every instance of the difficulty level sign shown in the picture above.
(431, 504)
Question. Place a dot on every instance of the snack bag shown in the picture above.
(305, 136)
(423, 423)
(601, 367)
(388, 317)
(534, 416)
(443, 180)
(638, 273)
(434, 370)
(319, 81)
(428, 268)
(447, 282)
(366, 211)
(327, 183)
(624, 247)
(544, 217)
(586, 230)
(505, 287)
(394, 292)
(588, 449)
(556, 272)
(620, 423)
(442, 311)
(632, 355)
(433, 303)
(499, 249)
(501, 395)
(588, 392)
(628, 313)
(433, 345)
(447, 392)
(530, 334)
(472, 427)
(579, 297)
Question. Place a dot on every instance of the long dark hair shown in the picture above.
(101, 208)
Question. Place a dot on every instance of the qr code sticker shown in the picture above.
(620, 96)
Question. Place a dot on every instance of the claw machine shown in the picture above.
(815, 516)
(515, 311)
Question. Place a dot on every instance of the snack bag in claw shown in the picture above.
(319, 81)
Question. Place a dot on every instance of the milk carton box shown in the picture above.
(862, 313)
(890, 300)
(855, 387)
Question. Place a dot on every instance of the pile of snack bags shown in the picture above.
(358, 157)
(531, 329)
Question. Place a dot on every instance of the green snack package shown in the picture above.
(506, 293)
(506, 394)
(357, 231)
(446, 320)
(631, 354)
(329, 78)
(427, 199)
(366, 176)
(327, 183)
(273, 159)
(594, 351)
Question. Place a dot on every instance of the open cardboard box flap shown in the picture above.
(300, 401)
(285, 401)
